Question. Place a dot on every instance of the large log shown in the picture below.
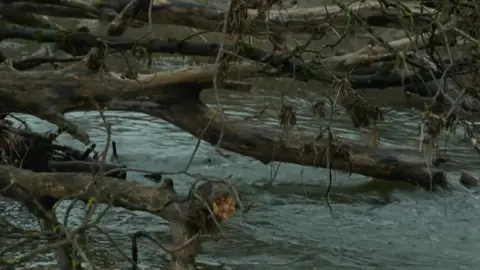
(127, 194)
(188, 215)
(174, 97)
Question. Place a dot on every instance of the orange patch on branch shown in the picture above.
(224, 207)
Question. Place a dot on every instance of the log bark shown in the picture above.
(126, 194)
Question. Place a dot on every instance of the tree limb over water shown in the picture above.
(40, 174)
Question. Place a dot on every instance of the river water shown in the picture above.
(371, 225)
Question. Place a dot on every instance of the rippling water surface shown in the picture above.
(371, 224)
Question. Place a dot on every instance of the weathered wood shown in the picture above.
(124, 194)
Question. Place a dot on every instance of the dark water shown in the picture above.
(291, 226)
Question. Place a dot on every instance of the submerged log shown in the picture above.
(447, 93)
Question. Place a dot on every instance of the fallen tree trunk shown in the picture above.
(189, 216)
(174, 97)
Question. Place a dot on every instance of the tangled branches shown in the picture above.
(39, 173)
